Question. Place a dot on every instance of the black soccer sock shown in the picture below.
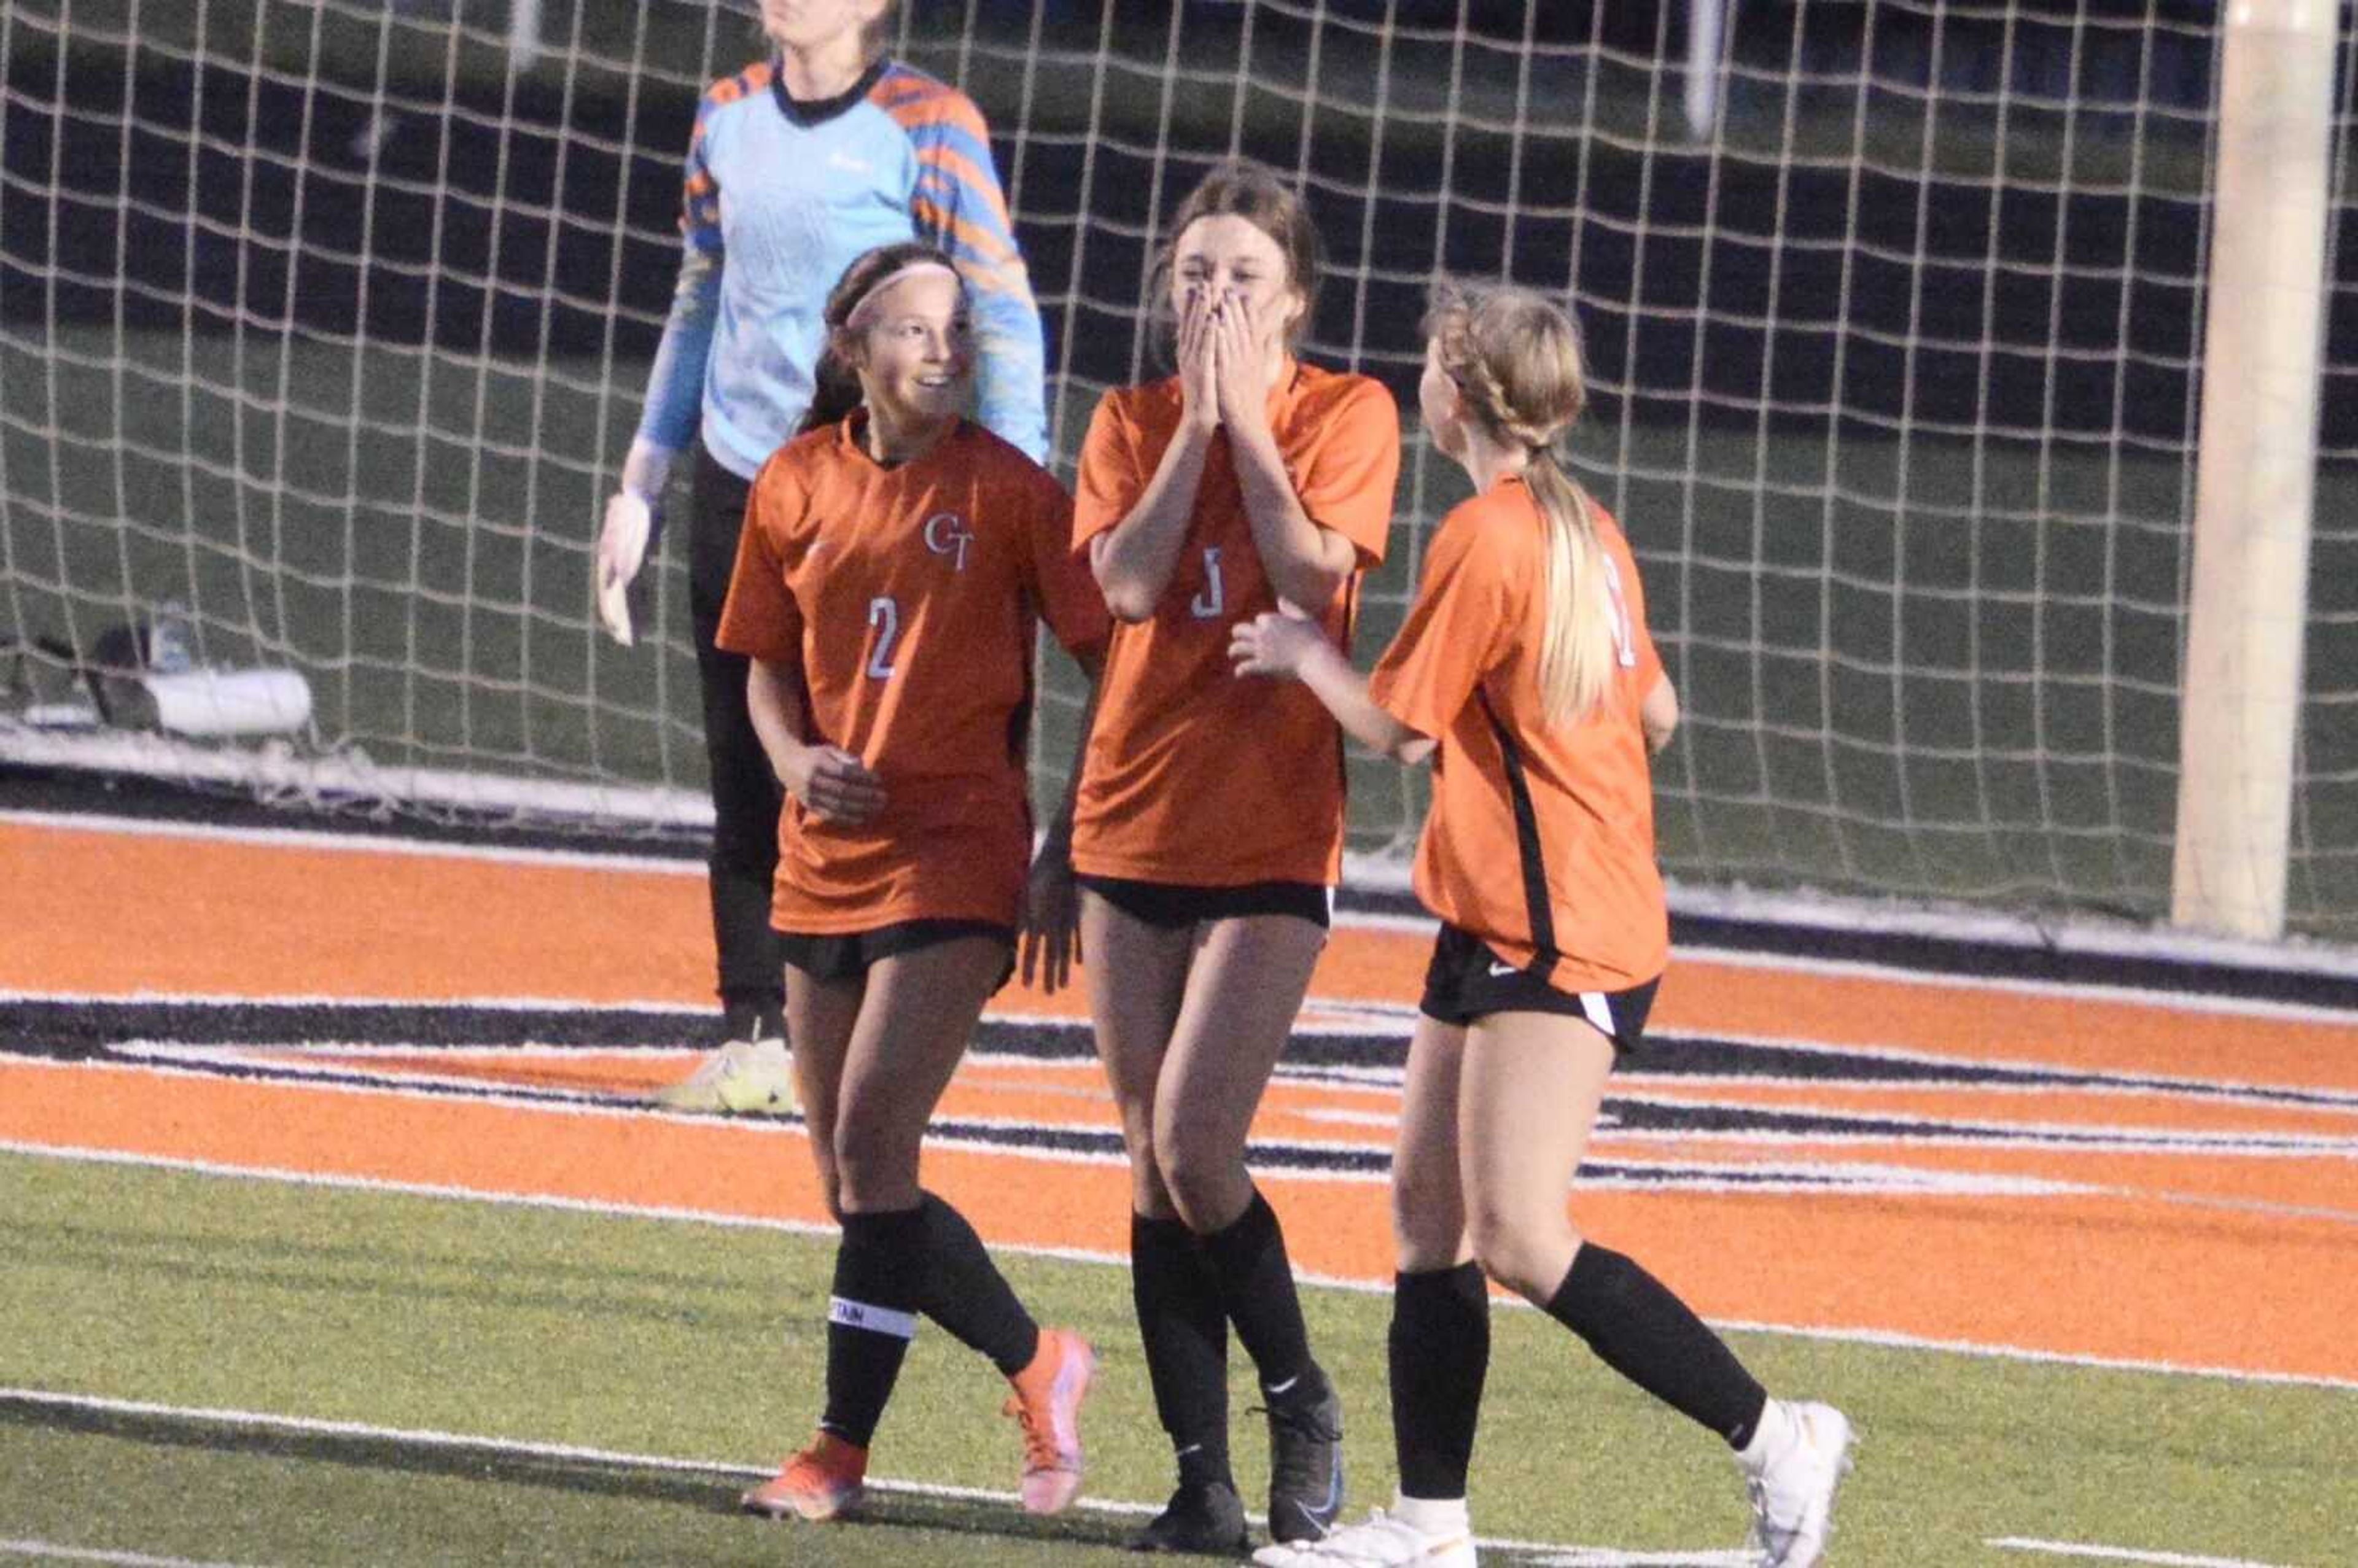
(1257, 1292)
(1643, 1332)
(1439, 1349)
(878, 1273)
(967, 1294)
(1184, 1332)
(748, 1014)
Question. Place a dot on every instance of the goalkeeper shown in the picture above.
(798, 165)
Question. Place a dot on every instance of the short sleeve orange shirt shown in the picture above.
(1195, 775)
(909, 597)
(1541, 837)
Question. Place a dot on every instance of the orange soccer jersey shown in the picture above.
(1541, 837)
(1195, 774)
(909, 597)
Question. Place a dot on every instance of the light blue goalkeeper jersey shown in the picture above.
(780, 198)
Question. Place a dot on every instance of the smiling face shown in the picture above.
(1227, 253)
(913, 349)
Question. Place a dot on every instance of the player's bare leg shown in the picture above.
(1244, 989)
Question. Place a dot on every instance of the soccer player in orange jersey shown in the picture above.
(1209, 825)
(895, 565)
(800, 162)
(1524, 669)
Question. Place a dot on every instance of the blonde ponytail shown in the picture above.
(1576, 646)
(1515, 357)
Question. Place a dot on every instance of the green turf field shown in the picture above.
(531, 1330)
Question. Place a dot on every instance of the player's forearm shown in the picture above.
(774, 702)
(1059, 833)
(645, 469)
(1134, 562)
(675, 399)
(1344, 691)
(1305, 563)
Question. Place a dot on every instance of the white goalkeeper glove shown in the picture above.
(629, 527)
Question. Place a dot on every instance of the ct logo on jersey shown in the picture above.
(947, 534)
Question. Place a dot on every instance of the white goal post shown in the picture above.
(323, 326)
(2255, 499)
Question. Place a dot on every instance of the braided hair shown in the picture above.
(1515, 356)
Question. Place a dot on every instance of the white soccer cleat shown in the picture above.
(1793, 1492)
(1381, 1541)
(752, 1077)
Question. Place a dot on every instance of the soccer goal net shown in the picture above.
(323, 328)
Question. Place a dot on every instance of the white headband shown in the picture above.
(868, 306)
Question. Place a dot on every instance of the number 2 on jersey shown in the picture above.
(884, 616)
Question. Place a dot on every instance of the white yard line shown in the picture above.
(2120, 1553)
(355, 843)
(1563, 1555)
(54, 1552)
(1605, 1557)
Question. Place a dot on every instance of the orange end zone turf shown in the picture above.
(2098, 1270)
